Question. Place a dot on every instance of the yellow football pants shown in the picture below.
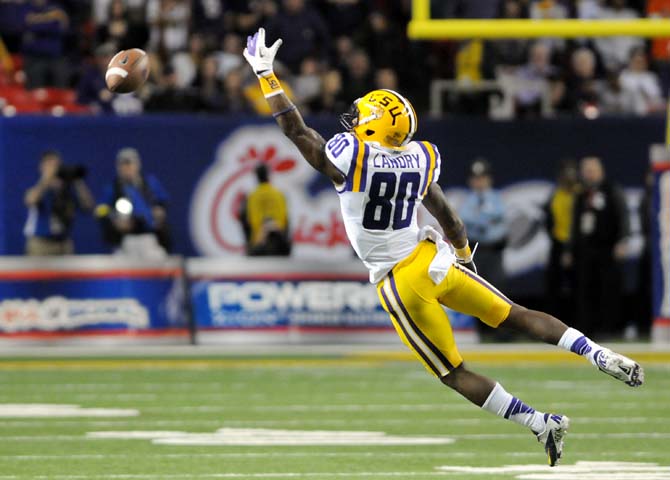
(414, 303)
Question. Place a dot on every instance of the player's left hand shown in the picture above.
(467, 261)
(469, 265)
(258, 55)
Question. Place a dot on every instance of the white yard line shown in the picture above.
(467, 436)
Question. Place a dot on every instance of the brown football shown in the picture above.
(127, 71)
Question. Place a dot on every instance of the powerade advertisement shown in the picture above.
(262, 304)
(280, 294)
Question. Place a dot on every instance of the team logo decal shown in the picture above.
(314, 212)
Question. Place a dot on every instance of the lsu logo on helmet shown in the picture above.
(382, 116)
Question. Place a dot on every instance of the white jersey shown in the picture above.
(381, 196)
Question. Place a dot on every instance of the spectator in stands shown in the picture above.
(464, 8)
(483, 212)
(660, 47)
(46, 25)
(549, 10)
(244, 17)
(187, 64)
(52, 205)
(508, 52)
(209, 88)
(344, 48)
(169, 22)
(358, 75)
(641, 84)
(236, 98)
(6, 64)
(344, 17)
(330, 99)
(92, 89)
(640, 323)
(386, 78)
(304, 32)
(168, 97)
(615, 51)
(559, 279)
(307, 84)
(133, 210)
(264, 217)
(207, 18)
(230, 57)
(598, 244)
(120, 30)
(613, 98)
(383, 41)
(582, 89)
(533, 79)
(589, 9)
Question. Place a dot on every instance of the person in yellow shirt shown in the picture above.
(559, 224)
(265, 218)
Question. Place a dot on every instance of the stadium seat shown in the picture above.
(54, 96)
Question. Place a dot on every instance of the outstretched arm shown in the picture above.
(451, 224)
(308, 141)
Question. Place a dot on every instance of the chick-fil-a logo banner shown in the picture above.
(314, 211)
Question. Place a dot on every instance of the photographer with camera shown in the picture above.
(133, 211)
(52, 205)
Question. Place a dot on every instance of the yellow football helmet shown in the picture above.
(382, 116)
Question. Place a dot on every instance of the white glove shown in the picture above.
(258, 55)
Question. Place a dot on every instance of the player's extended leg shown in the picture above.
(491, 396)
(411, 299)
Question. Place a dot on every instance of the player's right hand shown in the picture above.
(258, 55)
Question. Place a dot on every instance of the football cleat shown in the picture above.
(620, 367)
(556, 427)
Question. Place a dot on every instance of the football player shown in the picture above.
(382, 177)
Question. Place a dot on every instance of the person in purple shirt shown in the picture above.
(46, 25)
(304, 33)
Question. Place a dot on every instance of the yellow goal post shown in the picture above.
(423, 27)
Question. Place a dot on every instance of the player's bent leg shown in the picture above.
(469, 293)
(549, 429)
(538, 325)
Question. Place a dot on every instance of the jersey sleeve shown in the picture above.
(433, 166)
(438, 165)
(345, 151)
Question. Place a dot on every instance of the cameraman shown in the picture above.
(133, 210)
(52, 204)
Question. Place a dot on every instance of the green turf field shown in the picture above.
(194, 398)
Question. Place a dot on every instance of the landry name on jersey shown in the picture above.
(381, 196)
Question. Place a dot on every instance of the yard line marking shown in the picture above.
(588, 470)
(33, 410)
(122, 476)
(272, 437)
(386, 453)
(471, 436)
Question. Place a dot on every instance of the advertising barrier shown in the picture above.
(91, 299)
(282, 300)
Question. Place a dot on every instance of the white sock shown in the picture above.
(576, 342)
(506, 406)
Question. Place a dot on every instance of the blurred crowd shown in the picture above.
(333, 51)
